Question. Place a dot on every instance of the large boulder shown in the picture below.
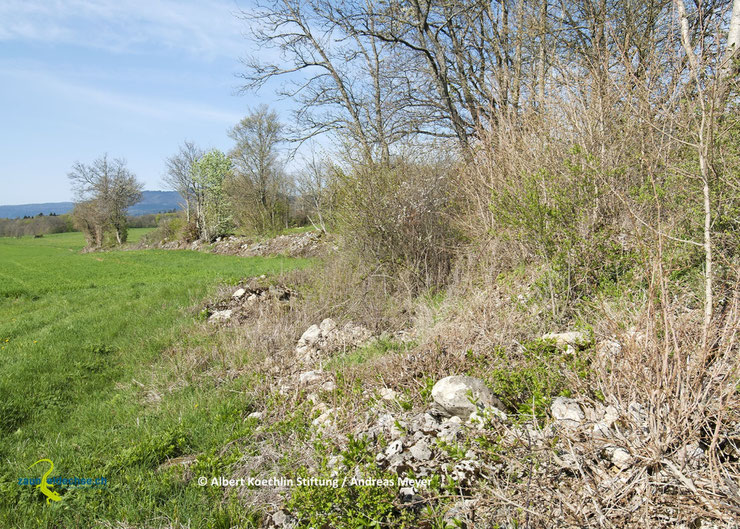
(460, 395)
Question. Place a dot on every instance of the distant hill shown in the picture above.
(151, 202)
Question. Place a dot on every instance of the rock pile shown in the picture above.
(590, 456)
(461, 396)
(320, 341)
(244, 299)
(595, 442)
(426, 444)
(307, 244)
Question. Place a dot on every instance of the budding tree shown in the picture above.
(212, 208)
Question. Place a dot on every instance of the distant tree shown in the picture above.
(314, 185)
(179, 176)
(89, 218)
(212, 207)
(104, 190)
(259, 184)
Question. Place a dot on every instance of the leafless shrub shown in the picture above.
(399, 219)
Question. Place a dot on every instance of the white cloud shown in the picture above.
(204, 29)
(160, 109)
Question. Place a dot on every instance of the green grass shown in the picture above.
(299, 229)
(135, 234)
(75, 331)
(361, 355)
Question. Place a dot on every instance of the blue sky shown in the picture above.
(130, 78)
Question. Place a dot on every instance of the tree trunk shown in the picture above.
(703, 148)
(543, 56)
(729, 68)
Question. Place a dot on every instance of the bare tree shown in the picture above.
(108, 188)
(179, 176)
(89, 217)
(259, 183)
(709, 77)
(347, 81)
(314, 185)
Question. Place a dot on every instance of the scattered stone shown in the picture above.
(638, 413)
(281, 519)
(609, 348)
(334, 462)
(460, 396)
(388, 394)
(394, 448)
(704, 523)
(464, 471)
(398, 464)
(459, 512)
(220, 316)
(255, 415)
(237, 306)
(420, 451)
(309, 337)
(602, 430)
(564, 339)
(611, 415)
(329, 385)
(690, 454)
(398, 429)
(602, 427)
(184, 461)
(567, 411)
(327, 338)
(477, 420)
(310, 377)
(450, 430)
(239, 293)
(425, 424)
(325, 419)
(327, 326)
(619, 457)
(409, 495)
(566, 461)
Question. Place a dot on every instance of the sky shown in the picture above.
(131, 78)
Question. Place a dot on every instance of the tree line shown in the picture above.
(32, 226)
(246, 189)
(584, 132)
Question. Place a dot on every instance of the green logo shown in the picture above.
(44, 486)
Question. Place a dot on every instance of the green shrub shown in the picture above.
(337, 502)
(554, 213)
(154, 449)
(529, 386)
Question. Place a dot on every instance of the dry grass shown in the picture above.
(563, 477)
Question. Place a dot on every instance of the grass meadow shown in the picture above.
(81, 335)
